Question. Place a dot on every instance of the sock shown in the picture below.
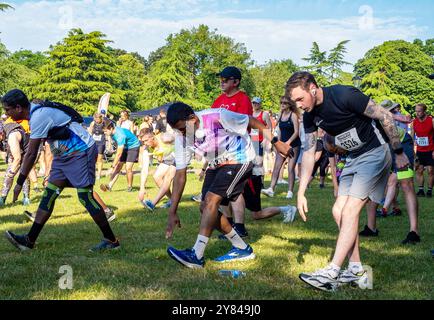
(34, 231)
(236, 240)
(199, 246)
(355, 267)
(421, 188)
(335, 269)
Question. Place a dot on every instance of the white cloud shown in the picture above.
(142, 26)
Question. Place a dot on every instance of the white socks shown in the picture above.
(236, 240)
(199, 246)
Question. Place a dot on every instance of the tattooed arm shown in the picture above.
(376, 112)
(308, 163)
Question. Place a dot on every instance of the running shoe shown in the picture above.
(109, 213)
(236, 254)
(105, 244)
(432, 253)
(29, 216)
(197, 198)
(322, 279)
(2, 201)
(282, 182)
(166, 205)
(268, 192)
(105, 187)
(37, 190)
(289, 195)
(289, 214)
(367, 232)
(20, 242)
(381, 213)
(321, 186)
(130, 189)
(148, 205)
(186, 257)
(355, 279)
(396, 212)
(429, 194)
(412, 238)
(26, 201)
(421, 193)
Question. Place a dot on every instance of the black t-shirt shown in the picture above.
(341, 115)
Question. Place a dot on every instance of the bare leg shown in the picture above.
(99, 164)
(371, 210)
(411, 202)
(165, 185)
(391, 191)
(291, 169)
(266, 213)
(419, 176)
(276, 170)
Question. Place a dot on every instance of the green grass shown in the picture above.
(143, 270)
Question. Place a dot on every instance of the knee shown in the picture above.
(88, 201)
(337, 213)
(407, 186)
(51, 193)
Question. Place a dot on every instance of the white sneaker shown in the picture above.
(289, 214)
(268, 192)
(282, 182)
(289, 195)
(323, 279)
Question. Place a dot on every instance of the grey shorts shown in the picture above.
(78, 169)
(366, 176)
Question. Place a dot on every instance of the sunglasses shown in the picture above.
(225, 80)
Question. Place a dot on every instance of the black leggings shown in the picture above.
(322, 164)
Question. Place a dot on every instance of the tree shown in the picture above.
(79, 72)
(335, 60)
(427, 47)
(270, 80)
(4, 6)
(397, 70)
(32, 60)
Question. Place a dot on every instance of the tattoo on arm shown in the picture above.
(376, 112)
(310, 141)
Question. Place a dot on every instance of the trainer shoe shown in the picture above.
(105, 244)
(148, 205)
(29, 216)
(197, 198)
(429, 194)
(289, 214)
(282, 182)
(367, 232)
(349, 277)
(130, 189)
(166, 205)
(105, 187)
(268, 192)
(421, 193)
(396, 212)
(109, 213)
(236, 254)
(186, 257)
(412, 238)
(2, 201)
(322, 279)
(26, 201)
(289, 195)
(20, 242)
(381, 213)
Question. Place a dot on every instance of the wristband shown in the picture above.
(21, 179)
(274, 140)
(398, 151)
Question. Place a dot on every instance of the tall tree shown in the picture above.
(336, 60)
(5, 6)
(79, 72)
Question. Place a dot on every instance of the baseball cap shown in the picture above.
(389, 105)
(230, 72)
(257, 100)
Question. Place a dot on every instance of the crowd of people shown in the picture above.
(370, 151)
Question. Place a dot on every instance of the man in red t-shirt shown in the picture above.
(423, 134)
(232, 98)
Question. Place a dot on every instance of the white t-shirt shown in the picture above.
(127, 124)
(222, 136)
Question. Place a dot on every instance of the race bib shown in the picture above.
(349, 140)
(97, 137)
(422, 141)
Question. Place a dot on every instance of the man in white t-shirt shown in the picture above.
(222, 138)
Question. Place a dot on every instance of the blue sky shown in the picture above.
(269, 29)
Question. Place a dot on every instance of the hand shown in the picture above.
(142, 194)
(284, 149)
(172, 221)
(17, 191)
(401, 161)
(302, 207)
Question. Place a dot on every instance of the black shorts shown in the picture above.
(425, 158)
(227, 181)
(252, 193)
(100, 147)
(130, 155)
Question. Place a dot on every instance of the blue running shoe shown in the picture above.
(236, 254)
(148, 205)
(26, 202)
(105, 244)
(186, 257)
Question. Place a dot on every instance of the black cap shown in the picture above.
(230, 72)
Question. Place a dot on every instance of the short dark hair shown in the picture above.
(15, 97)
(422, 105)
(301, 79)
(178, 111)
(146, 132)
(108, 124)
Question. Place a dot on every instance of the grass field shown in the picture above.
(143, 270)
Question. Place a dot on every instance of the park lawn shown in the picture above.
(143, 270)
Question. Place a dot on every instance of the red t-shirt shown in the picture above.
(424, 133)
(255, 133)
(239, 103)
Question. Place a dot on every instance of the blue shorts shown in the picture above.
(77, 169)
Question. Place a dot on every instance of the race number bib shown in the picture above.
(422, 141)
(349, 140)
(97, 137)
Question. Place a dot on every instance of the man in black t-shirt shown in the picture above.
(363, 129)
